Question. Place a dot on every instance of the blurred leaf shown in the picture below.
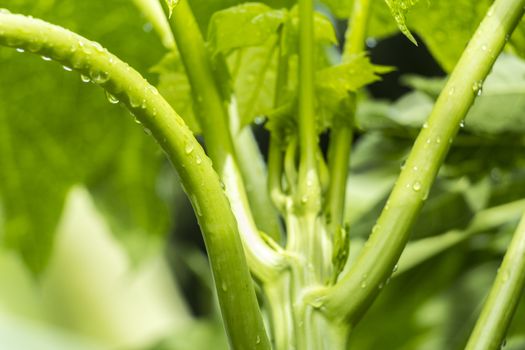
(258, 23)
(340, 8)
(72, 135)
(254, 74)
(176, 89)
(436, 22)
(204, 10)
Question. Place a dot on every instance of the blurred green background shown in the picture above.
(99, 246)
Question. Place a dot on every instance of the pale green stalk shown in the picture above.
(354, 293)
(491, 327)
(231, 275)
(342, 132)
(264, 261)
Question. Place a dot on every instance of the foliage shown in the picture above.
(58, 133)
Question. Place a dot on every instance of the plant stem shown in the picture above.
(354, 293)
(231, 275)
(264, 262)
(492, 324)
(342, 134)
(255, 176)
(308, 194)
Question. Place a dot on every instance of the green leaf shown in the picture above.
(254, 77)
(399, 9)
(436, 22)
(258, 23)
(204, 10)
(175, 87)
(72, 135)
(334, 83)
(340, 8)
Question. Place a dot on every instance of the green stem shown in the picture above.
(264, 262)
(342, 134)
(308, 195)
(231, 275)
(354, 293)
(492, 324)
(255, 176)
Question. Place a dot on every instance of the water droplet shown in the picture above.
(19, 49)
(425, 125)
(416, 186)
(188, 148)
(147, 27)
(85, 78)
(224, 286)
(451, 91)
(153, 90)
(134, 102)
(147, 131)
(99, 77)
(375, 228)
(415, 168)
(462, 123)
(484, 47)
(67, 69)
(304, 199)
(46, 58)
(138, 121)
(198, 160)
(395, 268)
(97, 46)
(259, 120)
(438, 139)
(258, 340)
(477, 87)
(371, 42)
(112, 99)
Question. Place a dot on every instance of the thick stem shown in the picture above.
(342, 134)
(308, 192)
(354, 293)
(492, 324)
(231, 275)
(211, 113)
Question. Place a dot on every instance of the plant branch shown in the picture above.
(232, 278)
(342, 134)
(308, 194)
(492, 324)
(355, 292)
(264, 262)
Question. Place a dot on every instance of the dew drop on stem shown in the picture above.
(111, 98)
(85, 78)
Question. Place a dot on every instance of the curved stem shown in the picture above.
(264, 262)
(492, 324)
(354, 293)
(232, 277)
